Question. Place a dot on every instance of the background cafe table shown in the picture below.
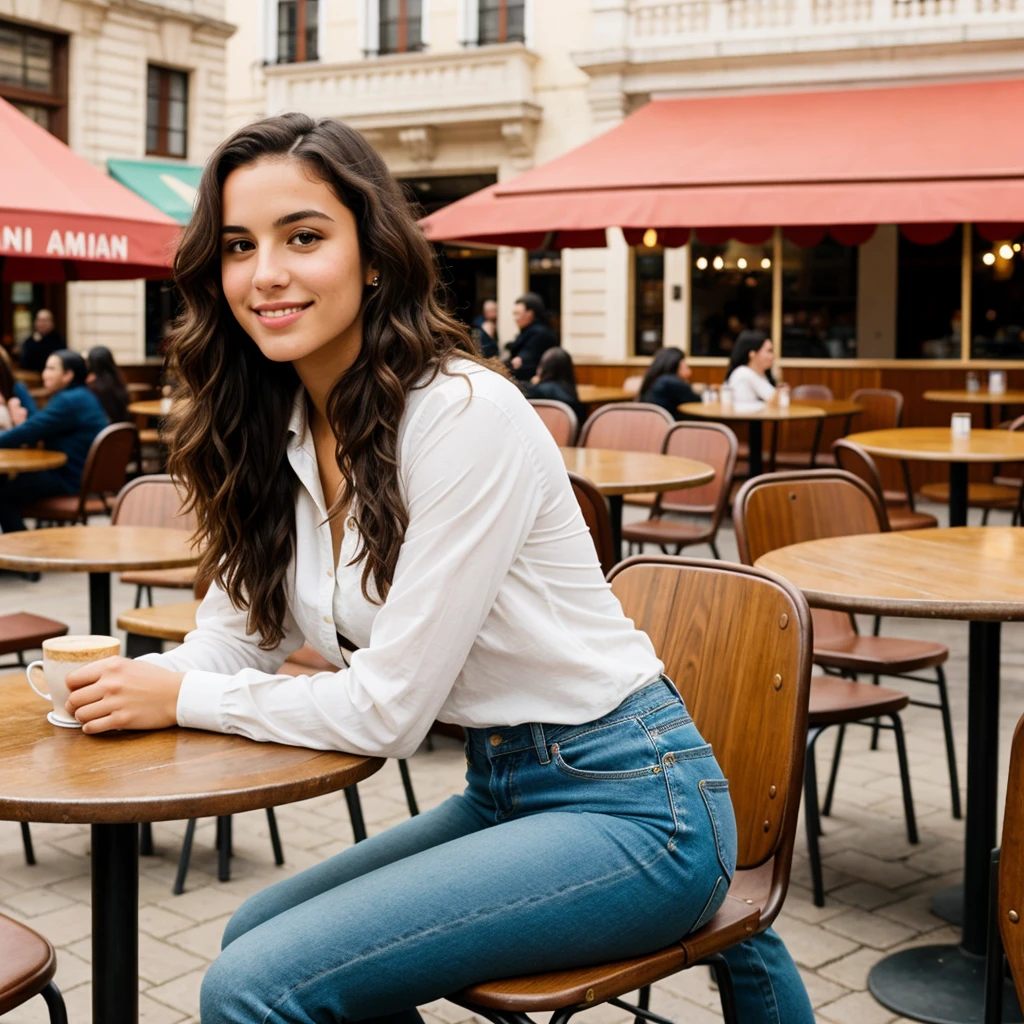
(615, 473)
(149, 407)
(985, 398)
(937, 444)
(99, 551)
(594, 394)
(112, 782)
(29, 460)
(967, 573)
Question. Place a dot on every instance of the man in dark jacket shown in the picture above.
(534, 339)
(70, 422)
(41, 343)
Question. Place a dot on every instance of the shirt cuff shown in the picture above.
(200, 700)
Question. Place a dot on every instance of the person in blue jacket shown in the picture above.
(14, 395)
(70, 421)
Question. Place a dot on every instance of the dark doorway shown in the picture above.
(928, 299)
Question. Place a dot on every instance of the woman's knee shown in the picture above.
(230, 990)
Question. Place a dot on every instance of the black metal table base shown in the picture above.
(755, 439)
(958, 494)
(115, 924)
(99, 603)
(948, 904)
(615, 502)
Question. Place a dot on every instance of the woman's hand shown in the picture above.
(119, 693)
(18, 412)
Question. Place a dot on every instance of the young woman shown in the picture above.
(667, 382)
(556, 379)
(355, 468)
(750, 368)
(107, 384)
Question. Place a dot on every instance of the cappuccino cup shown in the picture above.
(62, 655)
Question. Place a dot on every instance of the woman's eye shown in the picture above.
(305, 237)
(240, 245)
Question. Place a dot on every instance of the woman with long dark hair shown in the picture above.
(556, 380)
(667, 382)
(355, 468)
(750, 368)
(107, 384)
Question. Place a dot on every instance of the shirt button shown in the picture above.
(328, 620)
(330, 574)
(495, 740)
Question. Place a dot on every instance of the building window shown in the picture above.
(502, 21)
(928, 298)
(997, 306)
(297, 38)
(401, 26)
(649, 293)
(33, 75)
(166, 112)
(819, 300)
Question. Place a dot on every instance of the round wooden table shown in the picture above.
(149, 407)
(985, 398)
(965, 573)
(937, 444)
(116, 780)
(615, 473)
(29, 460)
(756, 415)
(99, 551)
(592, 394)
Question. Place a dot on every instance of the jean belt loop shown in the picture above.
(540, 742)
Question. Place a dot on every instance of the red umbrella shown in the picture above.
(62, 219)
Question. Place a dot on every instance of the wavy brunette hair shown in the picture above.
(228, 437)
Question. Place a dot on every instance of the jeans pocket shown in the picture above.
(715, 901)
(715, 793)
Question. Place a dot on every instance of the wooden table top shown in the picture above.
(832, 407)
(163, 621)
(29, 460)
(96, 549)
(962, 572)
(30, 377)
(61, 775)
(615, 472)
(984, 397)
(590, 393)
(149, 407)
(937, 444)
(747, 413)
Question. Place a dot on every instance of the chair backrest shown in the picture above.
(598, 520)
(737, 644)
(715, 444)
(559, 418)
(809, 392)
(856, 460)
(631, 385)
(882, 408)
(1011, 864)
(152, 501)
(106, 465)
(633, 427)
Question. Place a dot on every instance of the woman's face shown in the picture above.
(54, 375)
(762, 359)
(291, 268)
(684, 372)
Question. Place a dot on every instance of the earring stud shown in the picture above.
(375, 283)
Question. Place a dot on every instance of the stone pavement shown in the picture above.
(878, 885)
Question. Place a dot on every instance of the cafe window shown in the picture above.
(297, 31)
(401, 26)
(819, 300)
(997, 293)
(731, 285)
(166, 112)
(544, 270)
(928, 298)
(502, 21)
(649, 300)
(33, 75)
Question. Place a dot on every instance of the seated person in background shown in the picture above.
(666, 382)
(535, 336)
(107, 384)
(44, 340)
(556, 380)
(71, 420)
(485, 329)
(750, 369)
(16, 401)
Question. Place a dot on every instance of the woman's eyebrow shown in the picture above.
(288, 218)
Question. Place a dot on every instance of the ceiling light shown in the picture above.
(650, 238)
(1006, 251)
(1016, 246)
(766, 263)
(741, 263)
(718, 263)
(702, 263)
(988, 259)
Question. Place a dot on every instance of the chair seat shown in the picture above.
(834, 701)
(27, 965)
(802, 460)
(978, 495)
(903, 517)
(665, 531)
(646, 500)
(176, 578)
(882, 655)
(1009, 481)
(162, 621)
(64, 508)
(148, 435)
(24, 631)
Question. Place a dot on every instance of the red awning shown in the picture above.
(929, 156)
(62, 219)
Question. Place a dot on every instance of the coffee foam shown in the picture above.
(81, 648)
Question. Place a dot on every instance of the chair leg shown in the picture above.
(146, 839)
(275, 837)
(878, 625)
(184, 857)
(984, 517)
(908, 799)
(138, 596)
(643, 1000)
(55, 1004)
(812, 820)
(26, 842)
(714, 549)
(726, 991)
(410, 796)
(355, 813)
(947, 728)
(826, 807)
(994, 951)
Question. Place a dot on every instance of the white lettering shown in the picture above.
(102, 249)
(12, 239)
(55, 247)
(74, 243)
(119, 247)
(28, 239)
(92, 245)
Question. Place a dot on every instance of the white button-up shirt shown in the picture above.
(498, 613)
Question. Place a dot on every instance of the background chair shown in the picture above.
(27, 966)
(595, 513)
(802, 458)
(854, 459)
(882, 409)
(105, 473)
(747, 692)
(786, 508)
(714, 444)
(559, 418)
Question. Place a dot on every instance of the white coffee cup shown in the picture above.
(61, 655)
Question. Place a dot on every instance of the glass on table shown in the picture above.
(783, 395)
(973, 383)
(960, 425)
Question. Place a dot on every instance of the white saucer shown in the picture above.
(53, 720)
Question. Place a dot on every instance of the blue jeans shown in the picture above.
(572, 845)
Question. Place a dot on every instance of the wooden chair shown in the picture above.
(882, 409)
(105, 473)
(560, 420)
(854, 459)
(810, 457)
(595, 513)
(747, 691)
(786, 508)
(27, 966)
(715, 444)
(154, 500)
(812, 392)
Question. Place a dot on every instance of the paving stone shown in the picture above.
(851, 971)
(856, 1008)
(32, 902)
(810, 946)
(869, 929)
(161, 961)
(203, 940)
